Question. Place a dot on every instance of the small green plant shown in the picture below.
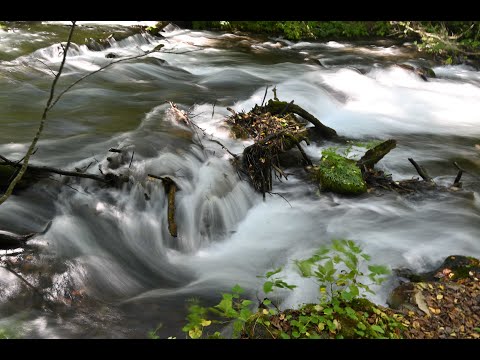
(153, 334)
(342, 310)
(231, 307)
(7, 334)
(274, 282)
(337, 271)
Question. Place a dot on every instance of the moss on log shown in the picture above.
(340, 175)
(376, 154)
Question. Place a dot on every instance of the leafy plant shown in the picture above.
(337, 271)
(153, 333)
(274, 282)
(342, 310)
(231, 307)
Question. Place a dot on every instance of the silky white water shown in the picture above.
(115, 243)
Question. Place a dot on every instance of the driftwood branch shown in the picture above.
(170, 189)
(457, 182)
(422, 171)
(35, 168)
(279, 107)
(376, 154)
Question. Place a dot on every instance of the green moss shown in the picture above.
(339, 174)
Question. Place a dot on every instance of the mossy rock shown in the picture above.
(340, 175)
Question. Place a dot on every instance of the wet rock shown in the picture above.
(111, 56)
(422, 71)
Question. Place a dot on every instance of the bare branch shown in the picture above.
(98, 70)
(19, 176)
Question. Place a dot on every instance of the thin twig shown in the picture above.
(48, 67)
(264, 96)
(133, 153)
(98, 70)
(48, 106)
(224, 148)
(213, 109)
(274, 193)
(23, 279)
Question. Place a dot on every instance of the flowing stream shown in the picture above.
(113, 245)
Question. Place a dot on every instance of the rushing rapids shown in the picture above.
(111, 247)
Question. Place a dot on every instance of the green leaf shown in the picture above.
(354, 290)
(361, 326)
(225, 305)
(267, 302)
(379, 269)
(237, 327)
(360, 332)
(351, 313)
(366, 257)
(244, 314)
(304, 319)
(195, 333)
(329, 268)
(295, 334)
(290, 287)
(237, 289)
(268, 287)
(305, 267)
(347, 296)
(284, 335)
(328, 311)
(353, 258)
(378, 329)
(338, 245)
(355, 248)
(331, 326)
(271, 273)
(247, 303)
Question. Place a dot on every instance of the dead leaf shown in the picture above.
(439, 297)
(420, 301)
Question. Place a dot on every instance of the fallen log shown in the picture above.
(376, 154)
(10, 240)
(422, 172)
(44, 169)
(280, 107)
